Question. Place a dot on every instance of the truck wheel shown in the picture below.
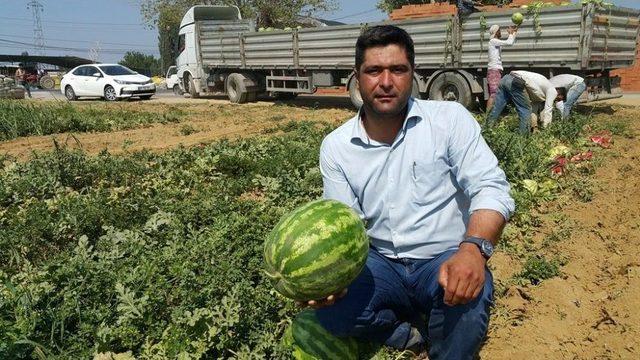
(176, 90)
(236, 90)
(356, 97)
(252, 96)
(190, 86)
(451, 86)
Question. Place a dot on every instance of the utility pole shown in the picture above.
(38, 35)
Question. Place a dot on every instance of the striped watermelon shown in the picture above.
(308, 340)
(316, 250)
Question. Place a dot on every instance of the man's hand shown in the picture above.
(512, 29)
(330, 300)
(462, 275)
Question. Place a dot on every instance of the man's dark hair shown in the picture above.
(562, 92)
(383, 35)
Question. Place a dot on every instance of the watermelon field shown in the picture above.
(135, 230)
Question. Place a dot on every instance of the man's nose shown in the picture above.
(386, 79)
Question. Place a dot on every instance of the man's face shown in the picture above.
(385, 79)
(498, 34)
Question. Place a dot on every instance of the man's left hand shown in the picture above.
(462, 275)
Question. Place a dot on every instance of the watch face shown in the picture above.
(487, 248)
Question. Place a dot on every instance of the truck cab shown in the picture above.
(192, 75)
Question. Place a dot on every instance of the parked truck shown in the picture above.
(221, 53)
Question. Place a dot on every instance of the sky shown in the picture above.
(112, 27)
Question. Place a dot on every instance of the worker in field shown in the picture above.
(494, 68)
(572, 87)
(434, 201)
(522, 88)
(21, 78)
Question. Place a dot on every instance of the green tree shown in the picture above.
(142, 63)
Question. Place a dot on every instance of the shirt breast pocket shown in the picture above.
(428, 181)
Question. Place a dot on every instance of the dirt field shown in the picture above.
(590, 312)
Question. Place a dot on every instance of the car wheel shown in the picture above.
(69, 93)
(176, 90)
(110, 93)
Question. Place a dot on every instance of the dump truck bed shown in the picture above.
(574, 37)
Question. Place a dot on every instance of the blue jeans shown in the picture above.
(510, 91)
(25, 85)
(392, 295)
(573, 94)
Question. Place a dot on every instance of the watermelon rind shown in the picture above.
(308, 340)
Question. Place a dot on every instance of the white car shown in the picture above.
(172, 80)
(109, 81)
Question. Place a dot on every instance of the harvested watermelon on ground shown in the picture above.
(308, 340)
(316, 250)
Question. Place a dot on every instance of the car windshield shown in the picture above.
(114, 70)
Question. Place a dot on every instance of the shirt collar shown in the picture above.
(359, 133)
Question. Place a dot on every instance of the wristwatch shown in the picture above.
(485, 246)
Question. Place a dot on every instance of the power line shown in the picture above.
(81, 41)
(49, 47)
(72, 22)
(355, 14)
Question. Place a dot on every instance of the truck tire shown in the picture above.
(236, 90)
(356, 97)
(451, 86)
(190, 86)
(176, 90)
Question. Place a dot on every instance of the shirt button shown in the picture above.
(392, 206)
(391, 180)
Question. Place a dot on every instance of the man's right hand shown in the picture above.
(512, 29)
(317, 304)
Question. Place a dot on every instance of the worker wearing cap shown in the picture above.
(494, 69)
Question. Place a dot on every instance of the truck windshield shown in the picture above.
(114, 70)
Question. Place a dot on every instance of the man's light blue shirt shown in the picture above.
(416, 195)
